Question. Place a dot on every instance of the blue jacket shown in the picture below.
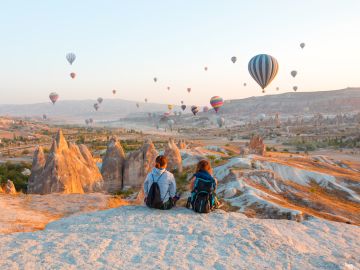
(206, 176)
(165, 180)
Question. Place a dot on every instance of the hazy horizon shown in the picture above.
(123, 45)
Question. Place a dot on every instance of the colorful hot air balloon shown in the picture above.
(302, 45)
(96, 106)
(233, 59)
(114, 92)
(189, 89)
(182, 102)
(244, 84)
(183, 107)
(146, 100)
(100, 100)
(220, 121)
(170, 107)
(71, 57)
(216, 102)
(72, 75)
(277, 88)
(293, 73)
(263, 68)
(205, 68)
(194, 109)
(166, 114)
(53, 97)
(295, 88)
(205, 109)
(155, 79)
(168, 88)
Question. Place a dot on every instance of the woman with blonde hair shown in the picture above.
(203, 185)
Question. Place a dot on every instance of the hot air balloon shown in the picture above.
(263, 68)
(71, 57)
(233, 59)
(114, 92)
(146, 100)
(183, 107)
(87, 121)
(100, 100)
(149, 114)
(44, 117)
(244, 84)
(216, 102)
(170, 107)
(205, 109)
(277, 88)
(220, 121)
(91, 120)
(168, 88)
(182, 102)
(137, 105)
(205, 68)
(302, 45)
(171, 123)
(194, 109)
(96, 106)
(261, 116)
(189, 90)
(53, 97)
(72, 75)
(155, 79)
(295, 88)
(293, 73)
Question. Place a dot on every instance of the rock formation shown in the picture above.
(113, 166)
(181, 144)
(172, 152)
(9, 187)
(68, 169)
(138, 164)
(257, 146)
(1, 190)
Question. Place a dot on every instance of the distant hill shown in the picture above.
(328, 102)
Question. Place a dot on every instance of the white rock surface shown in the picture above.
(134, 237)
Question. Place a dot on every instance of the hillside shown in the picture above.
(328, 102)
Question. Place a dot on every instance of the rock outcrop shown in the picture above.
(9, 187)
(68, 169)
(257, 146)
(113, 166)
(138, 164)
(181, 144)
(172, 152)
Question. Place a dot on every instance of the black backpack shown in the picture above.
(202, 199)
(153, 200)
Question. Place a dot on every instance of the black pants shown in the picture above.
(168, 205)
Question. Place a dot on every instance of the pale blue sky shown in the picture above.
(124, 44)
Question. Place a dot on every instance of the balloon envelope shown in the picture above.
(183, 107)
(205, 109)
(263, 68)
(72, 75)
(96, 106)
(53, 97)
(233, 59)
(194, 109)
(220, 121)
(170, 107)
(216, 102)
(114, 92)
(295, 88)
(71, 57)
(302, 45)
(293, 73)
(155, 79)
(189, 90)
(100, 100)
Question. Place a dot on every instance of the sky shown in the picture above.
(123, 45)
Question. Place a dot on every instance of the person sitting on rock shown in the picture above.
(203, 185)
(160, 186)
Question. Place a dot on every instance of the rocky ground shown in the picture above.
(134, 237)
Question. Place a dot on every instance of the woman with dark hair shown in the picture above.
(160, 186)
(203, 185)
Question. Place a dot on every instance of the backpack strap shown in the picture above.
(158, 177)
